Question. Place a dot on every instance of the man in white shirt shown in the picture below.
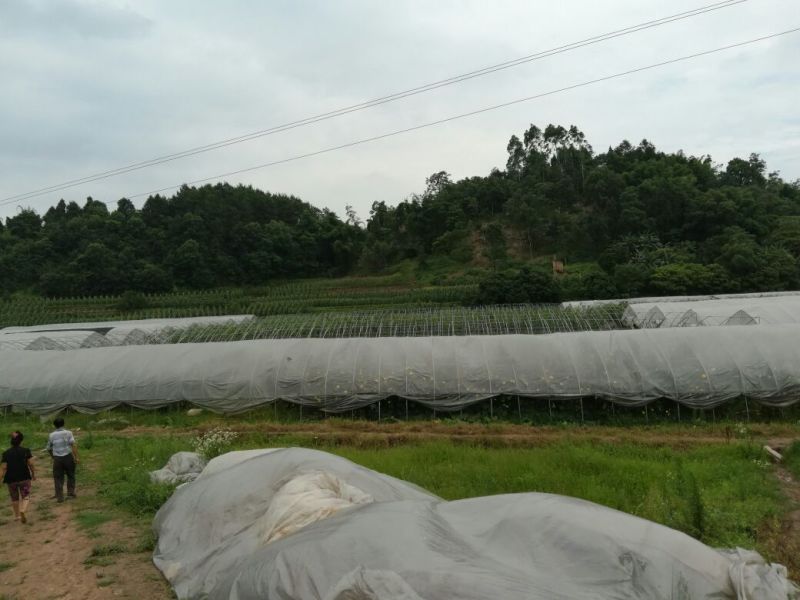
(62, 447)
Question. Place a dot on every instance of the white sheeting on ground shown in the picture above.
(181, 467)
(699, 367)
(297, 524)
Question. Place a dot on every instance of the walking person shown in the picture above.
(62, 447)
(18, 471)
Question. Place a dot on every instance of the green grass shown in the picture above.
(108, 549)
(791, 458)
(5, 566)
(88, 520)
(719, 494)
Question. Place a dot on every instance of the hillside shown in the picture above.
(631, 220)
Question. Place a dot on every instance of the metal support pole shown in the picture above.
(582, 411)
(747, 408)
(379, 411)
(406, 409)
(519, 409)
(646, 414)
(550, 407)
(301, 412)
(491, 408)
(678, 404)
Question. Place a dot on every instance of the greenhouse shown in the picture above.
(697, 367)
(771, 310)
(67, 336)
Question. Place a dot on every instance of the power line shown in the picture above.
(472, 113)
(371, 103)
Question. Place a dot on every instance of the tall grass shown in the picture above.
(718, 494)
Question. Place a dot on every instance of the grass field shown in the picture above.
(708, 480)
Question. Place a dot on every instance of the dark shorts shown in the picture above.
(19, 489)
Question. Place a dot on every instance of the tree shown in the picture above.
(525, 285)
(189, 266)
(740, 172)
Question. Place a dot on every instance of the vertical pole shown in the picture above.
(714, 414)
(491, 408)
(379, 411)
(301, 412)
(406, 409)
(275, 410)
(646, 414)
(747, 408)
(550, 407)
(582, 411)
(519, 409)
(678, 404)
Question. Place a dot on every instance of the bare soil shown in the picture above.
(782, 536)
(384, 434)
(51, 557)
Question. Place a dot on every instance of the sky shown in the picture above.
(89, 86)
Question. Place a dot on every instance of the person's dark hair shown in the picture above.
(16, 438)
(59, 422)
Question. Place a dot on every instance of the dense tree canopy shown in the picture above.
(649, 222)
(199, 238)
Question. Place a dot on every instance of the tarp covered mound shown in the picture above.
(699, 367)
(297, 524)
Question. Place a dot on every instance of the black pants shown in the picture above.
(64, 465)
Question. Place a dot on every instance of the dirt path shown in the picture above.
(783, 535)
(74, 551)
(371, 434)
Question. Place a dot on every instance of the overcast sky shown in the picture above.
(89, 86)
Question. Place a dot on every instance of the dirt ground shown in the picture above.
(54, 556)
(386, 433)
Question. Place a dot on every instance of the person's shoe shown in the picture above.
(22, 517)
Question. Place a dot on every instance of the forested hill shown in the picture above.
(631, 220)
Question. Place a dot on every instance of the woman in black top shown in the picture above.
(17, 471)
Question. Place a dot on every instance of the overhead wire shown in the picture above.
(370, 103)
(470, 113)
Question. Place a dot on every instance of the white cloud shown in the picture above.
(91, 86)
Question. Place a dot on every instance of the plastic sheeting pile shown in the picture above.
(297, 524)
(182, 467)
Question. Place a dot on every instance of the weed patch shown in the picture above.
(108, 549)
(88, 520)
